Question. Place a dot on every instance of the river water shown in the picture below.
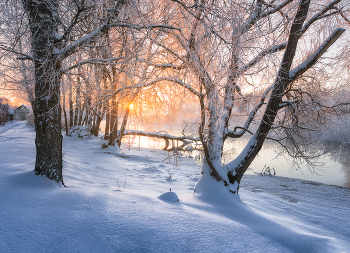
(332, 168)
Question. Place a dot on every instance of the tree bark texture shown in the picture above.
(281, 82)
(47, 110)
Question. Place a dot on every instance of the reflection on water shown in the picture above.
(332, 169)
(144, 142)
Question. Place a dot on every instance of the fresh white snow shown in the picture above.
(131, 201)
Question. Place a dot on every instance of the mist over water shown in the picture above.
(332, 168)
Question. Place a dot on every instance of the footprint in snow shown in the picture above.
(152, 169)
(170, 179)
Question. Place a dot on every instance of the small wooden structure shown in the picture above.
(21, 113)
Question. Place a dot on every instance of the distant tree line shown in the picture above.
(5, 115)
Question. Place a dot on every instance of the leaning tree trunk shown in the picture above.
(123, 126)
(218, 124)
(273, 105)
(47, 110)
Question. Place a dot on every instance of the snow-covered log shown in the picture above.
(186, 140)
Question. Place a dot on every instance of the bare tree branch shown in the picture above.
(72, 48)
(99, 61)
(22, 57)
(318, 15)
(244, 129)
(263, 53)
(312, 59)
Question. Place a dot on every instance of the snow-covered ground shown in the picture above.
(123, 203)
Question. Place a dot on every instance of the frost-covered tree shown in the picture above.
(52, 42)
(16, 76)
(231, 50)
(229, 54)
(57, 30)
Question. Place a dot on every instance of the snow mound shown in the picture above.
(110, 149)
(170, 197)
(81, 132)
(127, 209)
(170, 179)
(210, 190)
(29, 180)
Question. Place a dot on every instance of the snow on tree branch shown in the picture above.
(95, 61)
(318, 15)
(275, 9)
(244, 129)
(22, 57)
(177, 81)
(270, 50)
(312, 59)
(164, 65)
(140, 27)
(286, 103)
(185, 139)
(72, 48)
(155, 81)
(257, 14)
(342, 15)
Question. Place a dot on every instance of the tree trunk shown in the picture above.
(97, 125)
(107, 121)
(47, 109)
(282, 80)
(65, 121)
(81, 115)
(123, 126)
(64, 110)
(114, 123)
(93, 125)
(87, 112)
(219, 108)
(77, 104)
(71, 111)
